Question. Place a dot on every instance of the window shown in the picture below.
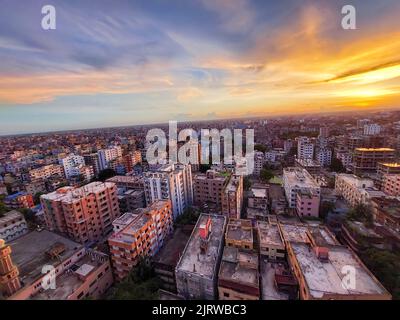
(226, 294)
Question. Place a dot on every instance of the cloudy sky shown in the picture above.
(113, 63)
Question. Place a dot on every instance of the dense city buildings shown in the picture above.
(232, 197)
(139, 234)
(85, 214)
(208, 189)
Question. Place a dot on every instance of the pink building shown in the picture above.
(307, 203)
(391, 184)
(84, 214)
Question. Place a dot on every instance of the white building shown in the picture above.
(305, 148)
(372, 129)
(259, 161)
(70, 163)
(324, 156)
(107, 155)
(346, 158)
(295, 180)
(172, 181)
(12, 226)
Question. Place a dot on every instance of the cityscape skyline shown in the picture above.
(150, 62)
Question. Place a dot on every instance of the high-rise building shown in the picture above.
(172, 181)
(324, 156)
(84, 214)
(139, 234)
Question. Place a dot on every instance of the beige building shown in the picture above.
(239, 234)
(270, 241)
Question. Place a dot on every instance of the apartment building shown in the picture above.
(128, 182)
(318, 262)
(367, 159)
(259, 161)
(305, 148)
(239, 234)
(232, 197)
(298, 180)
(307, 203)
(197, 269)
(12, 226)
(355, 190)
(269, 240)
(93, 160)
(46, 172)
(84, 214)
(391, 184)
(137, 234)
(107, 155)
(19, 200)
(324, 156)
(70, 164)
(79, 272)
(173, 182)
(238, 276)
(208, 189)
(372, 129)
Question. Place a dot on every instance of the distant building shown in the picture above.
(197, 269)
(131, 200)
(84, 214)
(324, 156)
(391, 184)
(70, 164)
(46, 172)
(305, 148)
(372, 129)
(19, 200)
(296, 180)
(367, 159)
(313, 167)
(173, 182)
(139, 234)
(12, 226)
(80, 272)
(238, 277)
(128, 182)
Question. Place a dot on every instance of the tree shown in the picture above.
(3, 208)
(362, 213)
(36, 197)
(385, 265)
(337, 165)
(106, 174)
(204, 168)
(190, 216)
(326, 207)
(140, 284)
(260, 147)
(246, 183)
(266, 173)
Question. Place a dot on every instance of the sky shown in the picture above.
(117, 63)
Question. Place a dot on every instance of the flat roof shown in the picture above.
(28, 252)
(294, 232)
(232, 269)
(71, 194)
(269, 234)
(192, 260)
(299, 177)
(326, 277)
(239, 229)
(259, 192)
